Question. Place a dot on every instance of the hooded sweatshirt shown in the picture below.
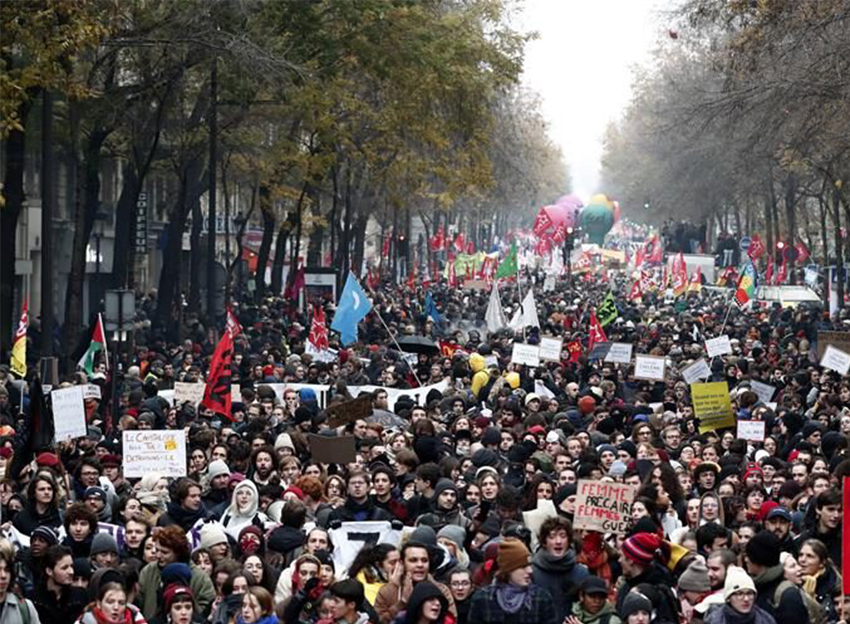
(560, 576)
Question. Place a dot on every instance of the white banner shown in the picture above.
(835, 359)
(154, 452)
(350, 538)
(550, 349)
(718, 346)
(763, 390)
(191, 392)
(697, 371)
(620, 353)
(751, 430)
(417, 394)
(649, 367)
(69, 413)
(526, 354)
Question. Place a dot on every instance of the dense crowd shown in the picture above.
(474, 487)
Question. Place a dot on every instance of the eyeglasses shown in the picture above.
(460, 583)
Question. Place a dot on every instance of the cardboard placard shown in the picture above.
(69, 413)
(235, 393)
(332, 450)
(718, 346)
(526, 354)
(650, 367)
(154, 452)
(475, 285)
(695, 372)
(191, 392)
(834, 338)
(712, 405)
(344, 413)
(92, 391)
(751, 430)
(599, 351)
(835, 359)
(604, 506)
(550, 349)
(619, 353)
(764, 391)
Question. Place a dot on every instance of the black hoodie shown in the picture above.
(422, 592)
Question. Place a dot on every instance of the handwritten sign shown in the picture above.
(649, 367)
(712, 405)
(191, 392)
(550, 349)
(526, 354)
(350, 411)
(160, 452)
(718, 346)
(69, 413)
(763, 390)
(620, 353)
(697, 371)
(834, 338)
(604, 506)
(599, 351)
(751, 430)
(92, 391)
(835, 359)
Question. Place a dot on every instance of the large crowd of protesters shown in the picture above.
(722, 530)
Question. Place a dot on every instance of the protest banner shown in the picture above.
(835, 359)
(712, 405)
(350, 537)
(350, 411)
(491, 361)
(69, 413)
(92, 391)
(188, 392)
(155, 451)
(472, 284)
(526, 354)
(650, 367)
(718, 346)
(837, 339)
(604, 506)
(332, 450)
(619, 353)
(764, 391)
(751, 430)
(550, 349)
(696, 371)
(599, 351)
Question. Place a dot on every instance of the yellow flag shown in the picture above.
(19, 346)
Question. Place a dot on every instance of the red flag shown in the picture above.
(756, 249)
(802, 252)
(232, 327)
(470, 248)
(635, 292)
(782, 273)
(448, 349)
(768, 274)
(385, 248)
(596, 333)
(438, 240)
(217, 392)
(319, 330)
(845, 548)
(560, 235)
(295, 286)
(575, 350)
(411, 277)
(541, 223)
(653, 252)
(459, 242)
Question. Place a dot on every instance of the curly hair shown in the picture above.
(173, 538)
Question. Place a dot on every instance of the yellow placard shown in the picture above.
(712, 405)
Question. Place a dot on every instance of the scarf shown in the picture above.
(810, 583)
(734, 617)
(549, 562)
(512, 598)
(595, 557)
(101, 618)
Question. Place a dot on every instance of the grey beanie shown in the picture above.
(217, 468)
(103, 543)
(456, 534)
(424, 535)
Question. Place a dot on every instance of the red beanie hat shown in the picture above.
(641, 547)
(586, 405)
(173, 592)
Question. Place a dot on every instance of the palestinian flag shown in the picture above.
(98, 343)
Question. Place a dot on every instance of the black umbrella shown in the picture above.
(418, 344)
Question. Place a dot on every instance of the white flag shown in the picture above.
(495, 316)
(526, 314)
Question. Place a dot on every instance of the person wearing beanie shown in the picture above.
(785, 604)
(217, 496)
(414, 568)
(453, 538)
(104, 551)
(446, 505)
(739, 593)
(178, 604)
(642, 558)
(513, 596)
(592, 605)
(694, 587)
(214, 540)
(555, 566)
(636, 608)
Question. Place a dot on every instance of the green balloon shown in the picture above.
(596, 221)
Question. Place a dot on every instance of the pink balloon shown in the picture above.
(559, 215)
(572, 201)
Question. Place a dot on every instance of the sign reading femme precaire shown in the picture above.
(604, 506)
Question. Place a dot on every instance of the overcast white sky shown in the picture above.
(580, 65)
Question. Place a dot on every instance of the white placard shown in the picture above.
(649, 367)
(235, 393)
(69, 413)
(751, 430)
(620, 353)
(490, 361)
(542, 391)
(697, 371)
(160, 452)
(549, 283)
(92, 391)
(718, 346)
(191, 392)
(550, 349)
(763, 390)
(526, 354)
(835, 359)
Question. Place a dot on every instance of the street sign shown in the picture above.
(746, 242)
(119, 310)
(141, 242)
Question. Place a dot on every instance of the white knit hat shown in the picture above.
(212, 535)
(284, 440)
(737, 580)
(217, 468)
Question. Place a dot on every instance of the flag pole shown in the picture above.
(395, 342)
(519, 290)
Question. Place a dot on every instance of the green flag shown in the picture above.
(508, 266)
(607, 311)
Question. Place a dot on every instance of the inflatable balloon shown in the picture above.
(560, 215)
(513, 380)
(596, 221)
(570, 201)
(601, 199)
(617, 213)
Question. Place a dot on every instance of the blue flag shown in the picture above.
(353, 306)
(431, 309)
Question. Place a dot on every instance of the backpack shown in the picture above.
(817, 614)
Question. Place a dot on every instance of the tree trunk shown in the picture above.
(196, 257)
(83, 224)
(791, 219)
(768, 222)
(267, 211)
(279, 257)
(359, 244)
(13, 193)
(824, 234)
(839, 250)
(125, 218)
